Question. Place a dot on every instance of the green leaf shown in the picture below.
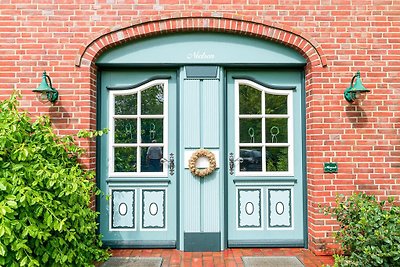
(49, 220)
(2, 230)
(12, 204)
(45, 257)
(24, 261)
(2, 186)
(33, 262)
(3, 210)
(2, 250)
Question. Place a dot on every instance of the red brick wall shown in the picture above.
(337, 37)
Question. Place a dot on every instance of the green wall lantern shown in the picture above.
(355, 89)
(46, 92)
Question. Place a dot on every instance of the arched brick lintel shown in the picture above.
(246, 26)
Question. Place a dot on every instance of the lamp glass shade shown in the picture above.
(41, 97)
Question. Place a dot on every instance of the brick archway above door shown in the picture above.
(231, 23)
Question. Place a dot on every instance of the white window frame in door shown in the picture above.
(112, 117)
(264, 144)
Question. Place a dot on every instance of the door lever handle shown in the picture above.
(232, 162)
(171, 162)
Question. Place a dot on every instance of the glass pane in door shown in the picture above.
(276, 159)
(276, 130)
(249, 100)
(150, 158)
(152, 100)
(125, 159)
(126, 104)
(125, 131)
(250, 130)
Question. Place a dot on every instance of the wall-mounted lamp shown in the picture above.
(46, 92)
(355, 89)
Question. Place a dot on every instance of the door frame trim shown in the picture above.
(133, 86)
(303, 138)
(267, 85)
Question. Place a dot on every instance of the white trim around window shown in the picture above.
(138, 144)
(264, 144)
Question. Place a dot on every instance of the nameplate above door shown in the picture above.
(201, 72)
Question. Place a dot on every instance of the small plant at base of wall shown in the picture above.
(369, 231)
(45, 218)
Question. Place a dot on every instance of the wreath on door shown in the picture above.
(202, 153)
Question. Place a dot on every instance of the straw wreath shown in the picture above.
(199, 154)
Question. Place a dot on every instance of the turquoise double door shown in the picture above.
(252, 122)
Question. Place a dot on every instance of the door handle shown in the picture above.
(232, 162)
(171, 163)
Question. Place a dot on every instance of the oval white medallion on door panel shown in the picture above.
(249, 208)
(153, 209)
(279, 208)
(123, 209)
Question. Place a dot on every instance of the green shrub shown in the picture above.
(369, 231)
(45, 218)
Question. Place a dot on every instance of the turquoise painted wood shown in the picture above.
(201, 48)
(137, 209)
(211, 106)
(191, 114)
(265, 206)
(201, 127)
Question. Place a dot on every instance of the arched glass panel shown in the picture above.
(152, 100)
(249, 100)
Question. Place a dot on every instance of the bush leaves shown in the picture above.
(369, 231)
(45, 195)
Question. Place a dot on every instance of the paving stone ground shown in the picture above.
(229, 257)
